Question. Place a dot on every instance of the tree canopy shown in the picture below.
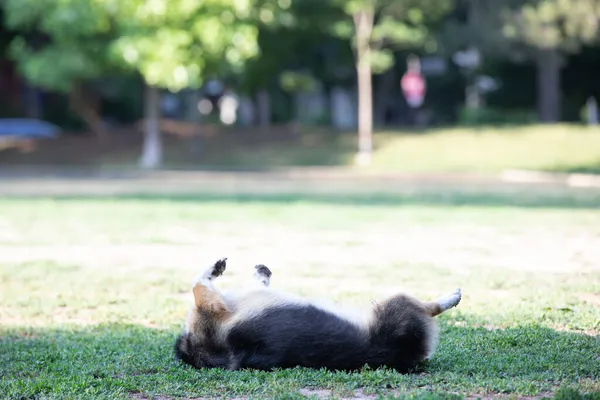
(554, 24)
(174, 44)
(64, 45)
(171, 43)
(396, 24)
(60, 42)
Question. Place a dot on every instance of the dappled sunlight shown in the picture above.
(95, 290)
(133, 261)
(489, 150)
(482, 361)
(546, 148)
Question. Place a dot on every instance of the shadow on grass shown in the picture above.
(523, 198)
(591, 168)
(131, 360)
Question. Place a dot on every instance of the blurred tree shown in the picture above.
(551, 28)
(294, 42)
(276, 30)
(174, 44)
(539, 30)
(378, 27)
(61, 46)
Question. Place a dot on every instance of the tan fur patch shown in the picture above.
(433, 308)
(210, 301)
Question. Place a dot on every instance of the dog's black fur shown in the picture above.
(285, 332)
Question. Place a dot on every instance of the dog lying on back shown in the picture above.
(263, 329)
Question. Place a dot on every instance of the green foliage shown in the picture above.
(174, 44)
(295, 35)
(56, 67)
(296, 81)
(60, 42)
(514, 27)
(480, 27)
(554, 24)
(171, 43)
(494, 116)
(396, 25)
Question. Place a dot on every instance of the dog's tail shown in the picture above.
(402, 333)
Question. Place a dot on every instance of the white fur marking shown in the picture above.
(205, 278)
(447, 302)
(262, 279)
(188, 319)
(433, 338)
(359, 317)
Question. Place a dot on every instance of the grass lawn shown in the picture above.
(94, 290)
(562, 148)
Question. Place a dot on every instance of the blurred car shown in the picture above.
(16, 132)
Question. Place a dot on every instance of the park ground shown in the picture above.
(482, 150)
(95, 274)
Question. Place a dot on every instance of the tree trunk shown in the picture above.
(263, 108)
(33, 102)
(363, 25)
(548, 85)
(87, 106)
(152, 149)
(193, 115)
(382, 96)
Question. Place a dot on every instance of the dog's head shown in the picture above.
(200, 354)
(184, 349)
(199, 345)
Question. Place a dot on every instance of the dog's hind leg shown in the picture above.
(262, 275)
(444, 303)
(206, 296)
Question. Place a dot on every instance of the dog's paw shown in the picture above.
(218, 268)
(263, 274)
(263, 270)
(212, 272)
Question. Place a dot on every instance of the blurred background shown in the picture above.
(446, 85)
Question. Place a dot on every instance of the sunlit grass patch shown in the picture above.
(94, 291)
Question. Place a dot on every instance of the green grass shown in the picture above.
(560, 148)
(549, 148)
(95, 289)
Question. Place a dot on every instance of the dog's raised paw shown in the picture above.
(263, 270)
(262, 274)
(219, 268)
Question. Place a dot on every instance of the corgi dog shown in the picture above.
(261, 328)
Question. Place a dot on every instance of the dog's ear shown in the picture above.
(192, 353)
(208, 300)
(183, 349)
